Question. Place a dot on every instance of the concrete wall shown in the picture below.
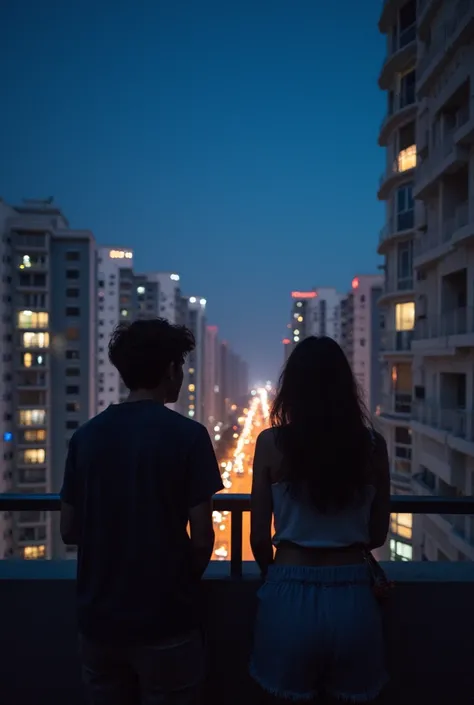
(429, 625)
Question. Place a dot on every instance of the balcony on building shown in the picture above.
(398, 227)
(457, 530)
(399, 170)
(447, 420)
(396, 406)
(401, 107)
(396, 342)
(445, 332)
(401, 39)
(426, 12)
(37, 612)
(446, 158)
(401, 464)
(400, 287)
(449, 37)
(434, 243)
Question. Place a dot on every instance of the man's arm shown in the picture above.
(204, 480)
(68, 527)
(261, 509)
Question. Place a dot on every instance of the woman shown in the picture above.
(322, 474)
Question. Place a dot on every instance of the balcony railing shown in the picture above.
(397, 403)
(237, 504)
(400, 224)
(406, 160)
(396, 341)
(399, 285)
(457, 322)
(457, 422)
(463, 12)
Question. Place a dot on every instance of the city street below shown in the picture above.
(236, 469)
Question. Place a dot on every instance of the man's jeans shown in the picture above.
(165, 673)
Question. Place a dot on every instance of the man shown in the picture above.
(135, 475)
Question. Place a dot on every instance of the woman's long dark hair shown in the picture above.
(322, 426)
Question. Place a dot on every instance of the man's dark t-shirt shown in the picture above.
(132, 474)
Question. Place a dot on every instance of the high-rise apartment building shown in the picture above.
(193, 395)
(315, 312)
(123, 296)
(49, 345)
(115, 293)
(360, 336)
(211, 378)
(443, 347)
(398, 136)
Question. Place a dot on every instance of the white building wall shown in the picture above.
(362, 357)
(110, 260)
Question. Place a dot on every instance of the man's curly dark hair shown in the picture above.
(142, 351)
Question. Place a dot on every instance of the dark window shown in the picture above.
(101, 283)
(72, 425)
(72, 389)
(72, 274)
(403, 435)
(39, 280)
(73, 256)
(72, 406)
(73, 311)
(362, 299)
(72, 293)
(362, 342)
(406, 136)
(72, 354)
(73, 372)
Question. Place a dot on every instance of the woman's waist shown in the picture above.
(289, 553)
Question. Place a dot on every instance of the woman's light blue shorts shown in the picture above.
(319, 632)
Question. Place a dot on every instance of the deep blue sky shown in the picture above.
(233, 141)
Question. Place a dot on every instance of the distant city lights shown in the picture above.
(120, 254)
(303, 294)
(174, 277)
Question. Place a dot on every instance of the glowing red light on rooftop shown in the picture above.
(303, 294)
(355, 283)
(286, 341)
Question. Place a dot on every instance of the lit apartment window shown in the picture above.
(405, 316)
(401, 524)
(400, 551)
(34, 455)
(191, 387)
(33, 552)
(35, 340)
(33, 319)
(407, 158)
(32, 436)
(32, 417)
(28, 359)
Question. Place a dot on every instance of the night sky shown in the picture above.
(233, 141)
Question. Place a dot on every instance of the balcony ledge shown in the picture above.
(429, 646)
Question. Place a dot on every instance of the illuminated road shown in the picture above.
(237, 474)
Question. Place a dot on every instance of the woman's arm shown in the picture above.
(380, 512)
(261, 506)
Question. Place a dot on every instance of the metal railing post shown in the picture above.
(236, 538)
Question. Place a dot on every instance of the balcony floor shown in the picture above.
(429, 625)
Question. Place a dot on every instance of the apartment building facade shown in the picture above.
(397, 136)
(443, 345)
(49, 283)
(314, 312)
(360, 336)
